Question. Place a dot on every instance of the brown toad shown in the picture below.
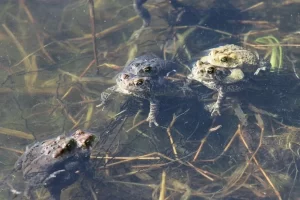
(55, 163)
(233, 56)
(223, 80)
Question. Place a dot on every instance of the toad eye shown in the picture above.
(71, 145)
(211, 70)
(139, 82)
(224, 59)
(199, 63)
(89, 141)
(147, 69)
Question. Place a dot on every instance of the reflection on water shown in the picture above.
(50, 85)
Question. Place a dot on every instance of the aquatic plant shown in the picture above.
(275, 51)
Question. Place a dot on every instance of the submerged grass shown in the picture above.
(16, 133)
(275, 49)
(30, 78)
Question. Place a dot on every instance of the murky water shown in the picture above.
(51, 84)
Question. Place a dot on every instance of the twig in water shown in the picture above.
(254, 6)
(162, 193)
(212, 129)
(261, 125)
(92, 20)
(225, 149)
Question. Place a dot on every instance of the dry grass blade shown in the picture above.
(126, 158)
(92, 21)
(31, 77)
(77, 123)
(32, 54)
(271, 45)
(254, 6)
(27, 62)
(254, 22)
(262, 32)
(89, 115)
(16, 133)
(234, 182)
(77, 78)
(260, 111)
(35, 91)
(40, 39)
(170, 136)
(202, 172)
(292, 128)
(162, 193)
(13, 150)
(144, 157)
(136, 125)
(226, 148)
(261, 125)
(214, 30)
(212, 129)
(107, 31)
(63, 107)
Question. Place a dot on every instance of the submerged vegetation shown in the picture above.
(56, 57)
(276, 54)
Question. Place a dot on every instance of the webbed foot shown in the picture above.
(264, 65)
(154, 106)
(215, 110)
(28, 192)
(260, 69)
(52, 177)
(186, 87)
(171, 73)
(152, 120)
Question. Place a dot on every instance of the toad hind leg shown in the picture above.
(216, 108)
(154, 106)
(52, 177)
(28, 192)
(142, 12)
(54, 193)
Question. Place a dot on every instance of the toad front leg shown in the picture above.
(154, 110)
(106, 94)
(264, 65)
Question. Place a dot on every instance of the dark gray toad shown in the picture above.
(223, 80)
(149, 88)
(55, 163)
(181, 14)
(148, 67)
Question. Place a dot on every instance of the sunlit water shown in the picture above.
(50, 86)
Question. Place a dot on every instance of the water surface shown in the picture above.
(50, 85)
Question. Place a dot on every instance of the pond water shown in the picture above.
(53, 71)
